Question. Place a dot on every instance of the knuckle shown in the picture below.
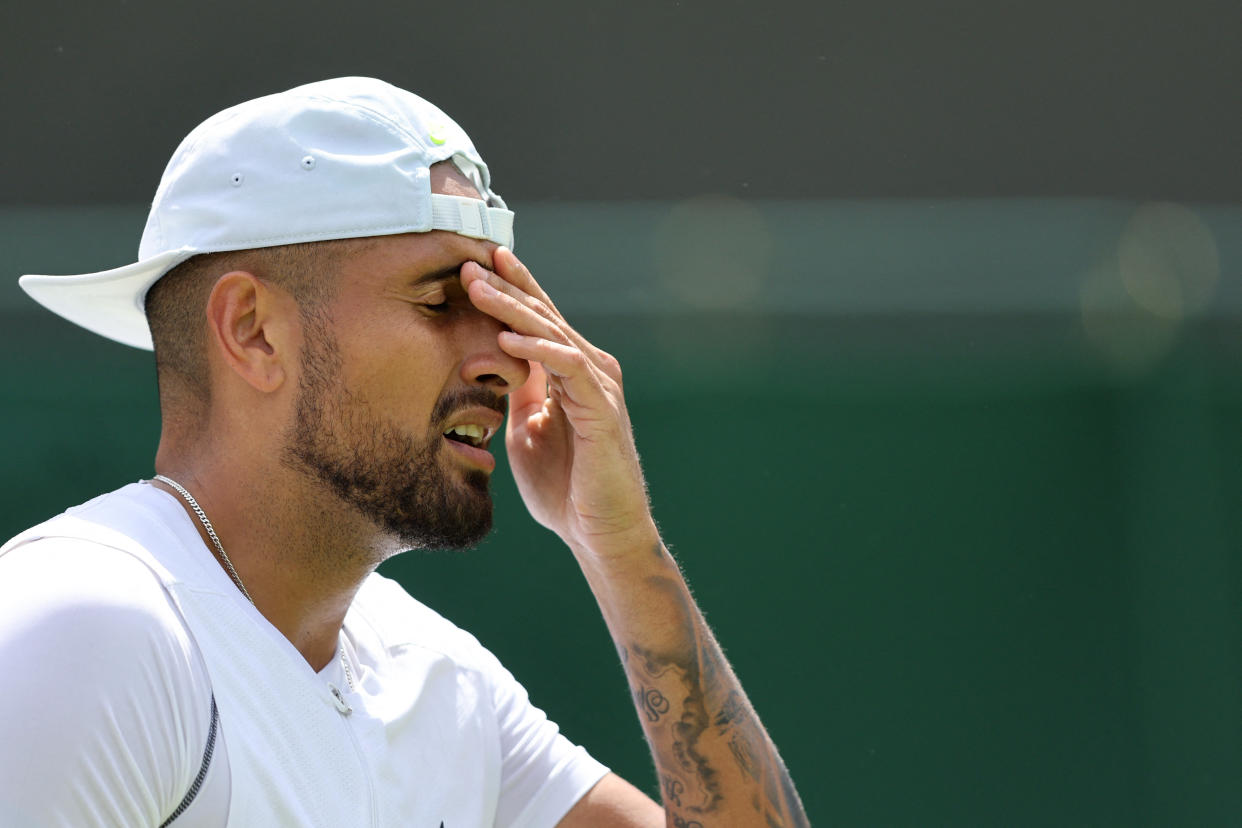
(609, 364)
(540, 308)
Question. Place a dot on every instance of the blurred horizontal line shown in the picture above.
(867, 256)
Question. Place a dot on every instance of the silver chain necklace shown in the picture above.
(341, 704)
(211, 532)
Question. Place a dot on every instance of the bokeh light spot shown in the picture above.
(1168, 260)
(713, 253)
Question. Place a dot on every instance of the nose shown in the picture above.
(485, 363)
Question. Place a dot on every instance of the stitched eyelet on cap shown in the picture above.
(236, 179)
(308, 163)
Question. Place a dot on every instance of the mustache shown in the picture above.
(469, 398)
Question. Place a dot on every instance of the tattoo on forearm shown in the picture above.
(687, 728)
(736, 722)
(652, 702)
(733, 710)
(673, 790)
(691, 669)
(744, 752)
(713, 715)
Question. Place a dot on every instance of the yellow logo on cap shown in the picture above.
(437, 134)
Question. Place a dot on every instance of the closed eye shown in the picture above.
(441, 295)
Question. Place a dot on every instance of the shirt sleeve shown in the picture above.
(107, 701)
(543, 774)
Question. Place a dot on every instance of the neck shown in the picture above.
(300, 552)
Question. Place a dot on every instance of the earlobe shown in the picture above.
(248, 324)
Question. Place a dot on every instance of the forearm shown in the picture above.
(573, 457)
(716, 764)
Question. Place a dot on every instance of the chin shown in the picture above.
(456, 517)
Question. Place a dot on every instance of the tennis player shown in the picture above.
(339, 323)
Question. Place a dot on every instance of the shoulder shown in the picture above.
(56, 585)
(115, 692)
(56, 582)
(80, 613)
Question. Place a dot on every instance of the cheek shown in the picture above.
(405, 376)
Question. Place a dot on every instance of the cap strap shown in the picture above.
(471, 217)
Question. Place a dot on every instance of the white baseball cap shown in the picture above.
(337, 159)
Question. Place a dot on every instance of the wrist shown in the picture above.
(637, 542)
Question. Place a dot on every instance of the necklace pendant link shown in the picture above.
(338, 699)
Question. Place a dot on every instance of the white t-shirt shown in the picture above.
(108, 698)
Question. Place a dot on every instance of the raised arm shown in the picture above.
(572, 453)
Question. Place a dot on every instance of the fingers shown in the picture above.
(512, 279)
(571, 370)
(503, 302)
(531, 396)
(510, 267)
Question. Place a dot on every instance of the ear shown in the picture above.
(253, 328)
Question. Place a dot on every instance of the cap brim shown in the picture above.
(109, 302)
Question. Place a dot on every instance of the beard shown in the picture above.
(392, 478)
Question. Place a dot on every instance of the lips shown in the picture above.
(469, 432)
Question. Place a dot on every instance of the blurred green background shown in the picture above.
(931, 322)
(972, 556)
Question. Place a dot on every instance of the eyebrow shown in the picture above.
(444, 274)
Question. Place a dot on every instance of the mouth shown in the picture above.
(468, 429)
(469, 433)
(476, 435)
(468, 443)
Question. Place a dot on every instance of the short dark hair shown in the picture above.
(176, 304)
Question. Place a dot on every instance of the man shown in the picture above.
(338, 319)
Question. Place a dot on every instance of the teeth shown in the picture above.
(473, 433)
